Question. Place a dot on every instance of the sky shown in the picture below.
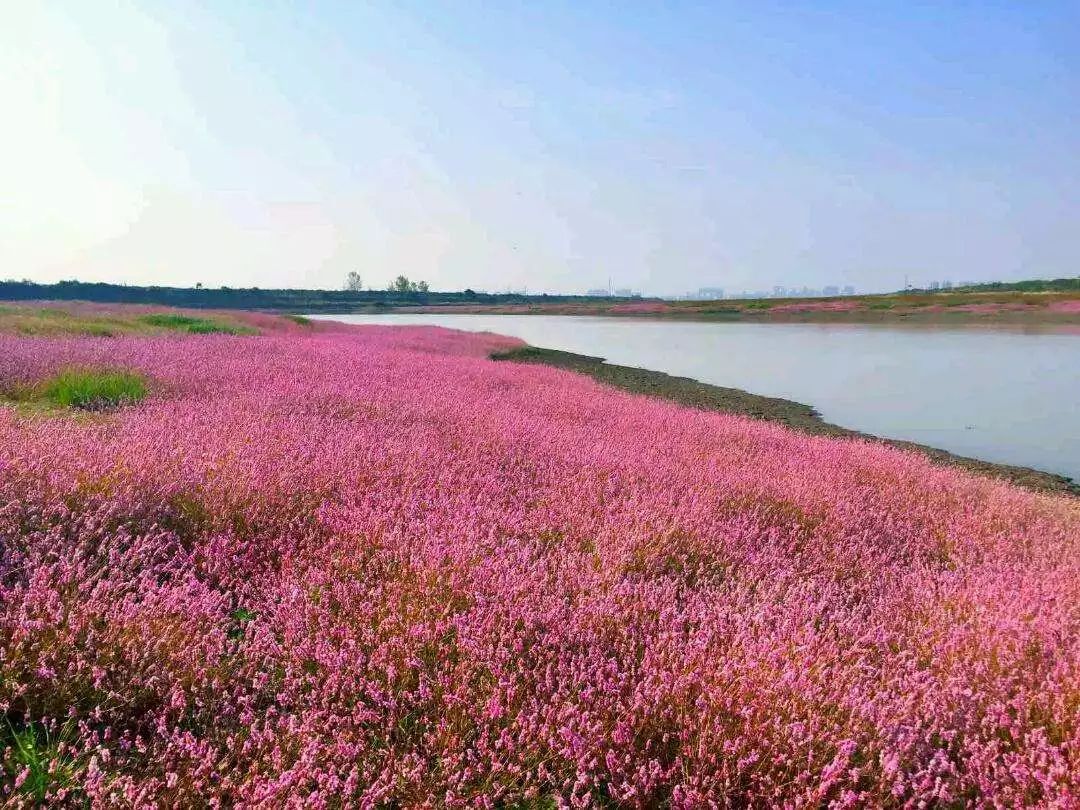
(548, 146)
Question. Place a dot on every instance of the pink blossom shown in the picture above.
(371, 566)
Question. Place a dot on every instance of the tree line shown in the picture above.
(401, 292)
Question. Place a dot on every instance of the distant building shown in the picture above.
(779, 292)
(946, 285)
(598, 292)
(710, 293)
(848, 290)
(626, 292)
(934, 286)
(830, 291)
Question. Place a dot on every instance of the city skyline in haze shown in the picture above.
(739, 146)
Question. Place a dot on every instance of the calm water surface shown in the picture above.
(1000, 394)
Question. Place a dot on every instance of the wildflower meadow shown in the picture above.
(368, 566)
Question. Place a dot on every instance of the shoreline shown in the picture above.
(1035, 311)
(1035, 319)
(795, 415)
(1027, 323)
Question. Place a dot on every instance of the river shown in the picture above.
(1002, 394)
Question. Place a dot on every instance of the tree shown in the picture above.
(353, 282)
(402, 284)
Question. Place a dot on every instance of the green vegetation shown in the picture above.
(402, 284)
(97, 330)
(51, 321)
(404, 292)
(54, 318)
(80, 319)
(240, 616)
(54, 312)
(196, 326)
(34, 749)
(282, 300)
(93, 390)
(1031, 285)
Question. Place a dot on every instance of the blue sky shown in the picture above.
(551, 146)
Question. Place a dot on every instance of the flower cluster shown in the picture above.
(372, 567)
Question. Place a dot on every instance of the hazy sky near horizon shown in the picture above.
(554, 145)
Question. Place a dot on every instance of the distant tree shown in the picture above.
(198, 285)
(402, 284)
(353, 282)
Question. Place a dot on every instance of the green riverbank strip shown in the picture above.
(795, 415)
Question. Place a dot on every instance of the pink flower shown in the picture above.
(372, 564)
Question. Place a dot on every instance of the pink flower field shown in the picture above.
(371, 567)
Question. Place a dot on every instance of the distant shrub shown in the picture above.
(195, 326)
(88, 389)
(96, 330)
(299, 319)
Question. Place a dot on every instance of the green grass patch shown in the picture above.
(240, 616)
(195, 326)
(96, 329)
(720, 310)
(93, 390)
(33, 748)
(51, 321)
(299, 319)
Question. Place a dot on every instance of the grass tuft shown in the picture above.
(240, 616)
(93, 390)
(299, 319)
(31, 748)
(195, 326)
(93, 329)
